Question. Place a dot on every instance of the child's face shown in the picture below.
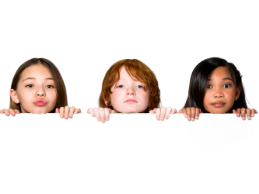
(36, 90)
(221, 91)
(129, 96)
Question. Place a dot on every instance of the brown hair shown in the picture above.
(59, 83)
(137, 70)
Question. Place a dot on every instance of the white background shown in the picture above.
(84, 38)
(46, 154)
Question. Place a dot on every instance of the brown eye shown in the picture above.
(209, 86)
(226, 86)
(49, 86)
(29, 86)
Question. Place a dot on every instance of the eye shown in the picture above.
(139, 86)
(119, 86)
(29, 86)
(226, 86)
(209, 86)
(49, 86)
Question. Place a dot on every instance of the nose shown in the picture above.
(130, 91)
(218, 94)
(40, 92)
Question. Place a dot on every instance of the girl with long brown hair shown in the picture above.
(37, 87)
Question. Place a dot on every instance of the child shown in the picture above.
(38, 87)
(129, 86)
(216, 87)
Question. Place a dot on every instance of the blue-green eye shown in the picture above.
(139, 86)
(29, 86)
(49, 86)
(226, 86)
(119, 86)
(209, 86)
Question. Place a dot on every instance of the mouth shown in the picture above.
(130, 101)
(218, 104)
(40, 102)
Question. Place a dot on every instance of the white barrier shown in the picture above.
(132, 153)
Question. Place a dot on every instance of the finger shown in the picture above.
(57, 110)
(243, 113)
(193, 112)
(173, 111)
(61, 112)
(158, 111)
(11, 111)
(184, 112)
(71, 111)
(17, 111)
(1, 112)
(234, 111)
(238, 111)
(7, 113)
(97, 114)
(101, 111)
(153, 111)
(188, 112)
(181, 111)
(248, 112)
(252, 112)
(107, 114)
(168, 112)
(197, 113)
(78, 110)
(66, 112)
(91, 111)
(162, 114)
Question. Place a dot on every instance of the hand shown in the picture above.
(9, 111)
(67, 112)
(162, 113)
(102, 114)
(191, 113)
(250, 113)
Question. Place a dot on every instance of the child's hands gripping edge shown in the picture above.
(191, 113)
(163, 113)
(243, 111)
(102, 114)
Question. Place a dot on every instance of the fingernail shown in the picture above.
(70, 115)
(243, 118)
(192, 119)
(189, 119)
(157, 117)
(185, 116)
(249, 118)
(196, 117)
(166, 116)
(61, 116)
(252, 115)
(107, 118)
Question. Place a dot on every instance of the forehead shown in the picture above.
(125, 76)
(36, 71)
(220, 73)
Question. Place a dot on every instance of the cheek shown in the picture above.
(116, 96)
(52, 96)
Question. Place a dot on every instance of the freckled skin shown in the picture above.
(220, 90)
(31, 90)
(125, 89)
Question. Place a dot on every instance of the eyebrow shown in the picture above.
(49, 78)
(226, 78)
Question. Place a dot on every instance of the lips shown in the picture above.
(130, 101)
(40, 102)
(218, 104)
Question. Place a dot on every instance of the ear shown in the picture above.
(14, 96)
(105, 101)
(238, 91)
